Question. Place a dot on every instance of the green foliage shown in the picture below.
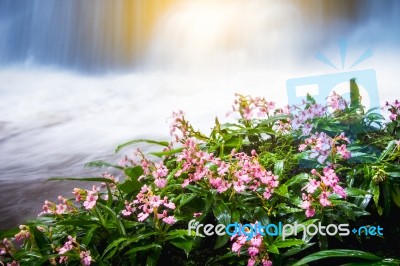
(265, 170)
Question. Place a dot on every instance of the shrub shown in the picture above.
(303, 165)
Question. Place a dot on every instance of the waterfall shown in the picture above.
(112, 35)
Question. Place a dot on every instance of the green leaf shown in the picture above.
(142, 248)
(112, 248)
(116, 221)
(130, 186)
(300, 178)
(335, 253)
(134, 172)
(167, 153)
(282, 191)
(80, 221)
(90, 179)
(178, 233)
(355, 192)
(310, 99)
(222, 212)
(42, 242)
(294, 250)
(278, 168)
(184, 243)
(376, 194)
(88, 235)
(279, 243)
(389, 148)
(221, 241)
(162, 143)
(355, 98)
(273, 249)
(102, 164)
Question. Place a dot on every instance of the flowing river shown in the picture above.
(77, 78)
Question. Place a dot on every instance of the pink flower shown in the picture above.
(266, 262)
(251, 262)
(256, 241)
(323, 199)
(307, 129)
(85, 258)
(170, 205)
(23, 234)
(342, 150)
(313, 172)
(253, 251)
(310, 212)
(169, 220)
(160, 182)
(197, 214)
(340, 191)
(236, 247)
(142, 216)
(312, 186)
(78, 194)
(160, 171)
(90, 201)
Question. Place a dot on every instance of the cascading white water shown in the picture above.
(78, 78)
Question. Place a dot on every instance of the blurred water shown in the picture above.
(76, 79)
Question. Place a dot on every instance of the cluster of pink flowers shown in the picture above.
(193, 161)
(148, 203)
(249, 174)
(249, 107)
(242, 172)
(321, 146)
(254, 249)
(394, 109)
(86, 259)
(23, 233)
(303, 119)
(320, 190)
(337, 102)
(158, 171)
(71, 244)
(112, 178)
(179, 127)
(89, 197)
(64, 206)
